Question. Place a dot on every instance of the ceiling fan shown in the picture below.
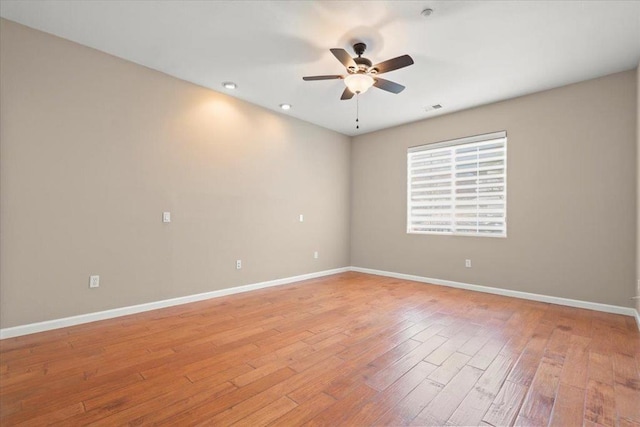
(362, 74)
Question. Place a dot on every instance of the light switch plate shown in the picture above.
(94, 281)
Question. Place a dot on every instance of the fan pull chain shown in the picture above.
(357, 111)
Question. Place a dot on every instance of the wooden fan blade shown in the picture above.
(347, 94)
(388, 85)
(344, 57)
(393, 64)
(310, 78)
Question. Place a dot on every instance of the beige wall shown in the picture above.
(638, 188)
(94, 149)
(571, 196)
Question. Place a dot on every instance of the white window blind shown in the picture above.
(458, 187)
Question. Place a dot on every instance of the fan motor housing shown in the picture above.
(363, 62)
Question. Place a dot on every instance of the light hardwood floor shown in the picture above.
(350, 349)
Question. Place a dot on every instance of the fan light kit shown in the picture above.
(362, 74)
(358, 83)
(229, 85)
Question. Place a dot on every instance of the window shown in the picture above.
(458, 187)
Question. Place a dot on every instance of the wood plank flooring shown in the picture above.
(350, 349)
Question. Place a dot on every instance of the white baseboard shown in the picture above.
(628, 311)
(123, 311)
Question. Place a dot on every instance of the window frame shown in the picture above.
(456, 143)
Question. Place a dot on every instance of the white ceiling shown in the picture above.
(467, 53)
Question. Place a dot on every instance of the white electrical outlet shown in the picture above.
(94, 281)
(238, 264)
(315, 255)
(301, 218)
(166, 216)
(467, 263)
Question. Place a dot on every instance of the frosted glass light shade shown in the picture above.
(358, 83)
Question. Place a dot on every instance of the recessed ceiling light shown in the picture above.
(285, 106)
(229, 85)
